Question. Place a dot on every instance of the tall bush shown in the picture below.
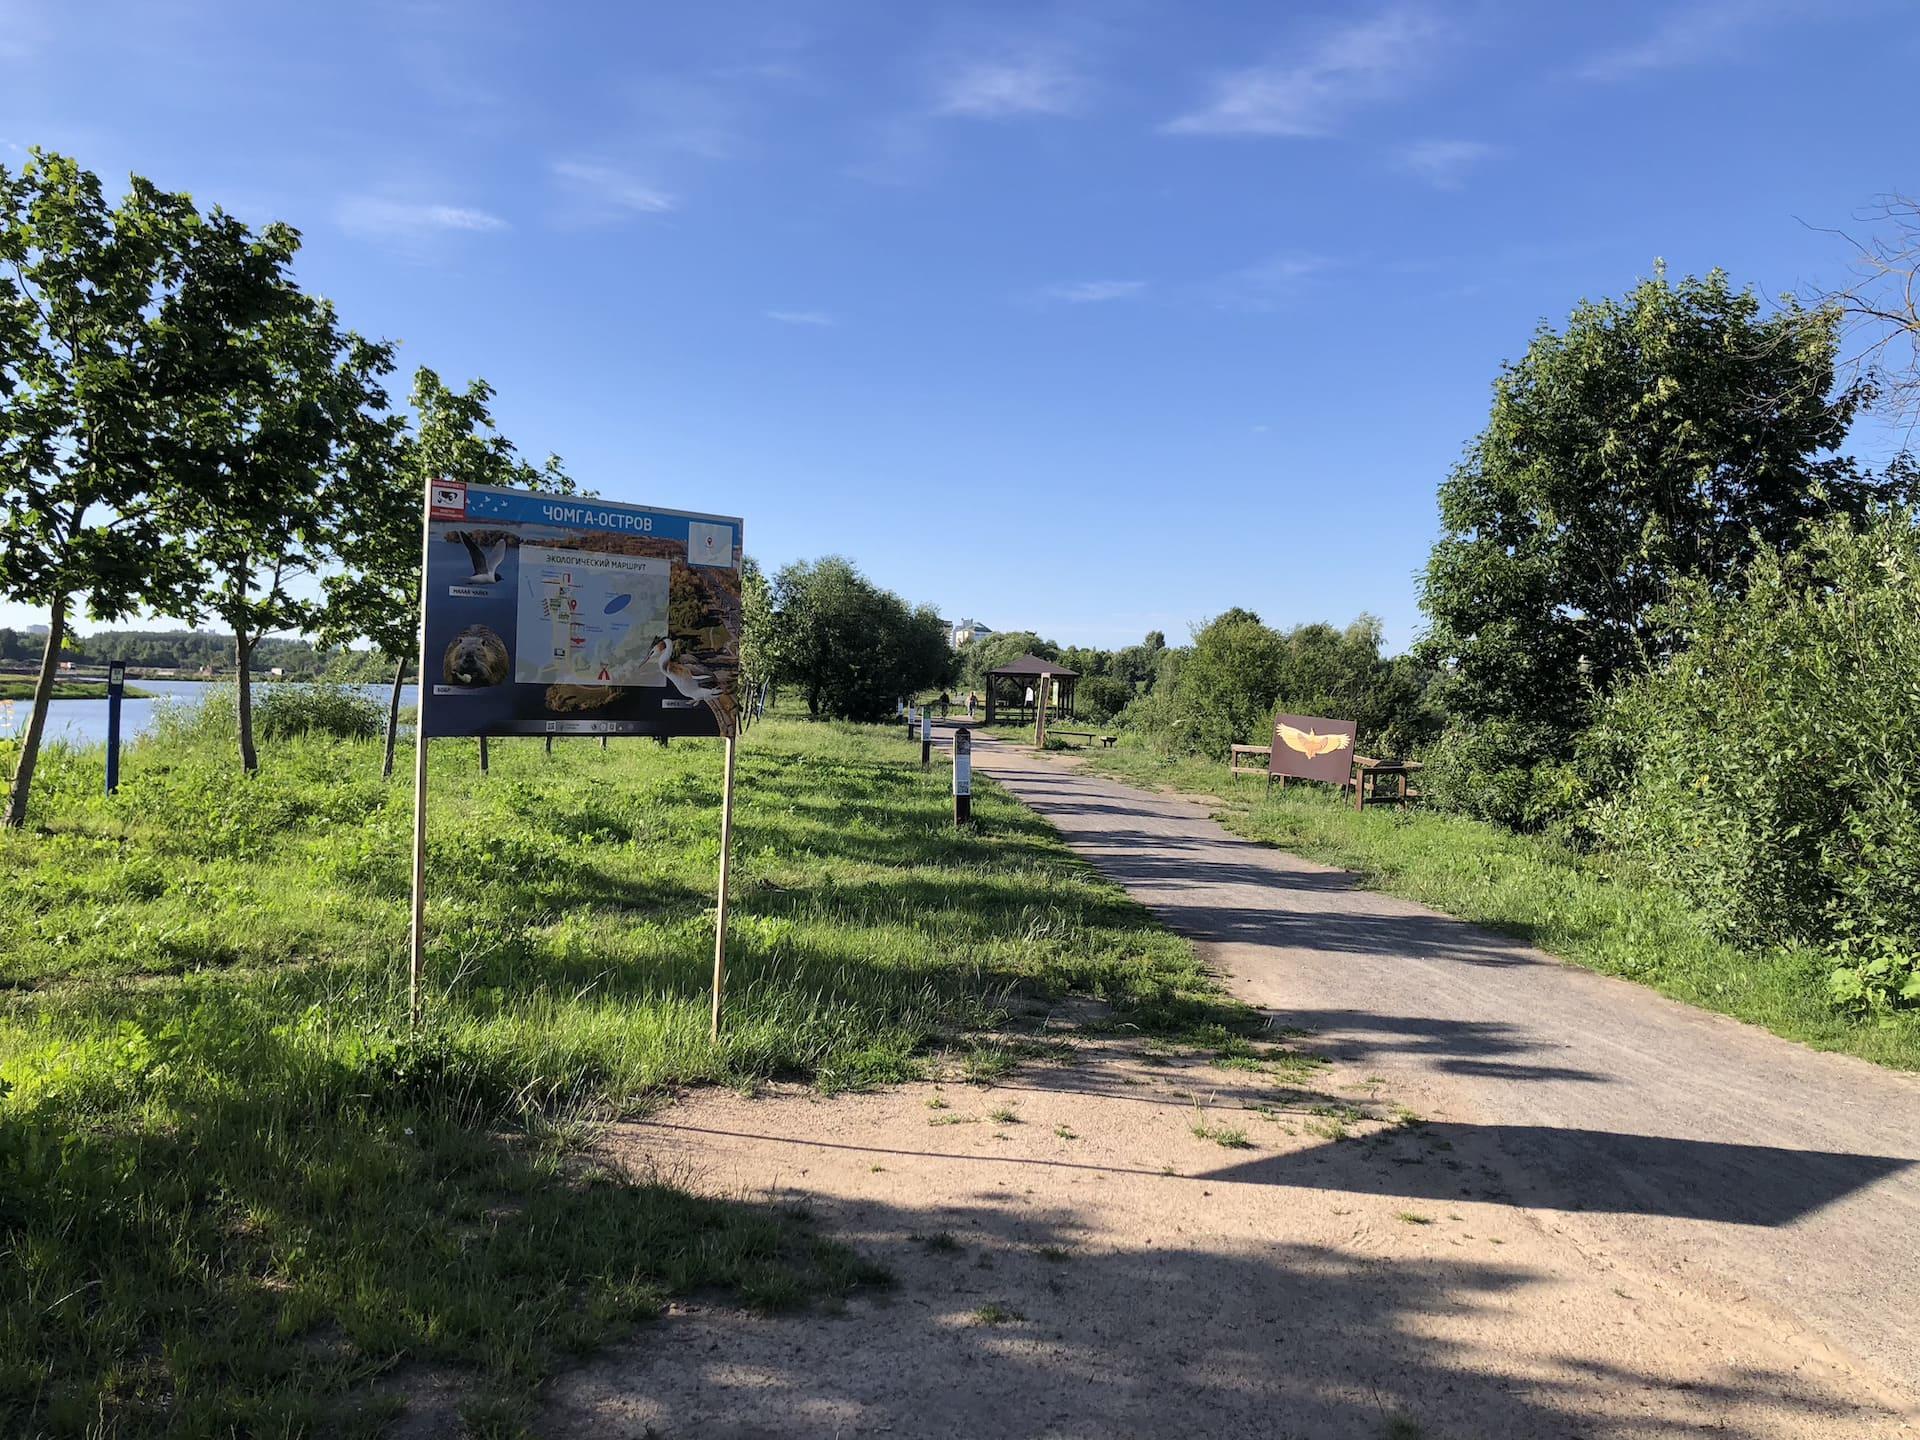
(849, 647)
(1225, 688)
(1768, 772)
(1659, 439)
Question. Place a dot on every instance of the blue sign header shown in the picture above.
(573, 512)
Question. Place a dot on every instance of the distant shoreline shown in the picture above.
(12, 689)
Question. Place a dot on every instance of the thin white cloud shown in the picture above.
(997, 88)
(609, 192)
(1094, 292)
(1309, 94)
(1269, 284)
(1443, 164)
(802, 317)
(381, 218)
(1697, 34)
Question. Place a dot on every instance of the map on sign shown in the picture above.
(589, 618)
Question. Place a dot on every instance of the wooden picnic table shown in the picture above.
(1364, 778)
(1369, 772)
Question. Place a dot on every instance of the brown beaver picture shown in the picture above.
(476, 657)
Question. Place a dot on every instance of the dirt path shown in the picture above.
(1521, 1200)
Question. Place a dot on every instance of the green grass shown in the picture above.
(1583, 908)
(235, 1192)
(16, 689)
(1228, 1136)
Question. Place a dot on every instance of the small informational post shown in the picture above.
(1312, 747)
(962, 775)
(116, 693)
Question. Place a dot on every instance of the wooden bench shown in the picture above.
(1237, 761)
(1087, 735)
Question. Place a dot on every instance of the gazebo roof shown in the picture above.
(1034, 665)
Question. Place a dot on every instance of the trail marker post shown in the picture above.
(1040, 715)
(926, 737)
(116, 692)
(963, 776)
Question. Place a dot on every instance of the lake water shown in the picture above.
(84, 722)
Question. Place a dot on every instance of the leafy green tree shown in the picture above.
(756, 625)
(1662, 438)
(376, 594)
(1139, 664)
(92, 328)
(985, 653)
(850, 647)
(1341, 673)
(1227, 684)
(284, 462)
(1767, 771)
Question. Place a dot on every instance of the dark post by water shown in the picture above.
(116, 691)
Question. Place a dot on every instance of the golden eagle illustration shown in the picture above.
(1311, 745)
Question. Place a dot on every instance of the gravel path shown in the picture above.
(1614, 1216)
(1710, 1148)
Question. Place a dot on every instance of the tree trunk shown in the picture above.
(393, 717)
(37, 716)
(243, 703)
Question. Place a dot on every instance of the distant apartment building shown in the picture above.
(959, 632)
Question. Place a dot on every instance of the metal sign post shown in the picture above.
(720, 918)
(116, 691)
(416, 960)
(962, 776)
(926, 737)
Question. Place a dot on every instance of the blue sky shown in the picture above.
(1092, 318)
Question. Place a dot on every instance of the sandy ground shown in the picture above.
(1520, 1200)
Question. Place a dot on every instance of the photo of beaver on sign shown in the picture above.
(1311, 747)
(476, 657)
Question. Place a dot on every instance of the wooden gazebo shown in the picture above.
(1028, 670)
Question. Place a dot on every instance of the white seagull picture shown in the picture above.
(487, 562)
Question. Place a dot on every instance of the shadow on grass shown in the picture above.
(239, 1259)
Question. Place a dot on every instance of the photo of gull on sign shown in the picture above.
(553, 614)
